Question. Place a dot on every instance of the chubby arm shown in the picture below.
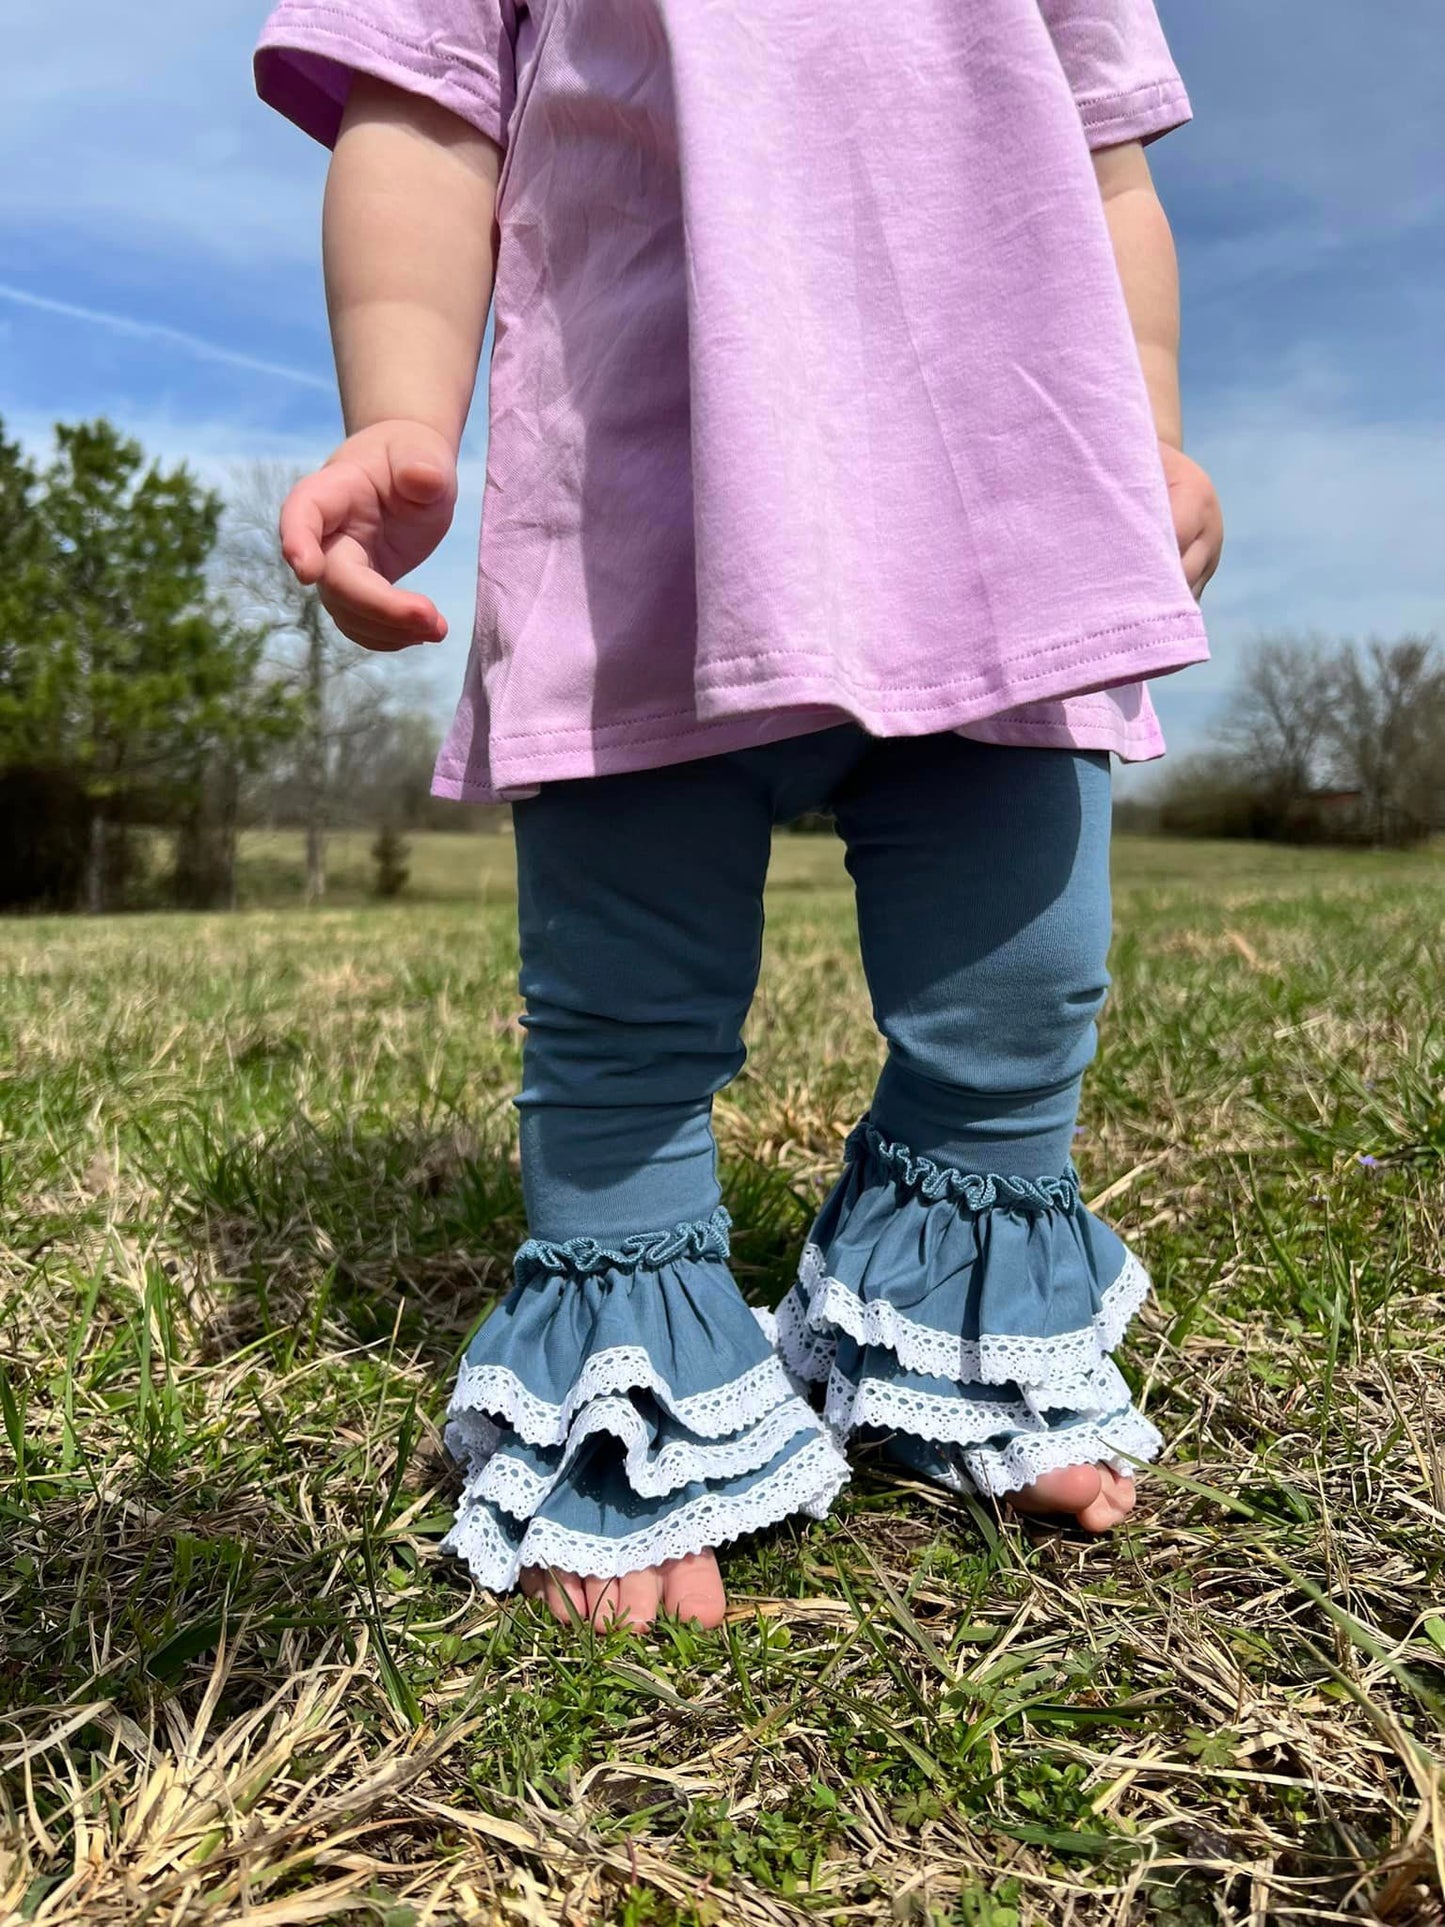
(1144, 253)
(409, 250)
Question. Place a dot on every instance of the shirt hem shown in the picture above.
(1142, 114)
(770, 709)
(306, 92)
(1129, 745)
(719, 738)
(1078, 665)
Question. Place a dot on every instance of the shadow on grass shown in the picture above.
(258, 1448)
(405, 1235)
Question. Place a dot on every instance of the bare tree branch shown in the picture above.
(341, 699)
(1278, 725)
(1387, 734)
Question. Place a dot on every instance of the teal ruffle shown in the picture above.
(971, 1316)
(623, 1406)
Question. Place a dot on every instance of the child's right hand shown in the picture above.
(380, 506)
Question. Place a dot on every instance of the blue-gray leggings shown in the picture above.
(982, 881)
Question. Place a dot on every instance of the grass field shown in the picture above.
(258, 1187)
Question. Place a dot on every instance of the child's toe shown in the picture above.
(1071, 1488)
(1121, 1492)
(631, 1600)
(1097, 1497)
(638, 1596)
(601, 1600)
(1113, 1505)
(692, 1589)
(1100, 1515)
(562, 1593)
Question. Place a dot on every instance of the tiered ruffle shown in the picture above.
(970, 1318)
(623, 1406)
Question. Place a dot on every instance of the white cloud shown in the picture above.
(163, 336)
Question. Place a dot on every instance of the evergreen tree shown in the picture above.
(23, 584)
(118, 663)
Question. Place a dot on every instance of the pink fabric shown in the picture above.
(814, 395)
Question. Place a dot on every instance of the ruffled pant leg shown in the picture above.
(955, 1294)
(624, 1406)
(969, 1319)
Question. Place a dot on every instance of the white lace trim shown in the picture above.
(1117, 1442)
(807, 1482)
(1061, 1367)
(767, 1322)
(927, 1415)
(520, 1488)
(1104, 1389)
(808, 1354)
(621, 1368)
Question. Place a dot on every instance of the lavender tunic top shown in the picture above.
(814, 395)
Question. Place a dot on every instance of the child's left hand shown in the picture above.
(1198, 521)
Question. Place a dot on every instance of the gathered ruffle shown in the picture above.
(971, 1316)
(623, 1406)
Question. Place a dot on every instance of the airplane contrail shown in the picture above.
(157, 331)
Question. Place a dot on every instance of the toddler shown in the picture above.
(833, 463)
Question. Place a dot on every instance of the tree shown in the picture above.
(1213, 795)
(383, 774)
(389, 853)
(1387, 734)
(1368, 722)
(22, 578)
(235, 734)
(42, 853)
(1277, 728)
(133, 648)
(119, 666)
(42, 807)
(339, 702)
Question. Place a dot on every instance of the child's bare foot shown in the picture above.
(1095, 1495)
(689, 1588)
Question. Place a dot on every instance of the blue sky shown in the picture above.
(158, 263)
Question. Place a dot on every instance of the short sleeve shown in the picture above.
(458, 53)
(1119, 67)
